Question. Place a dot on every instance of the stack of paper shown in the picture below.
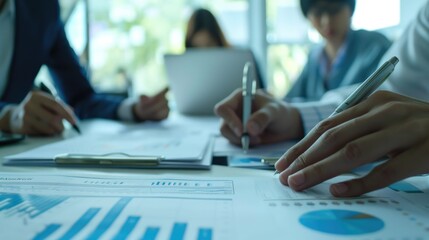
(151, 148)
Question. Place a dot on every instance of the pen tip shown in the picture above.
(394, 60)
(76, 128)
(245, 143)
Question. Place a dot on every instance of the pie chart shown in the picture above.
(341, 222)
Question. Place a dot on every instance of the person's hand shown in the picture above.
(386, 124)
(271, 121)
(152, 108)
(41, 114)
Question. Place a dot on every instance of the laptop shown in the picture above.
(200, 78)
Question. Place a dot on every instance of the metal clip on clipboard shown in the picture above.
(110, 159)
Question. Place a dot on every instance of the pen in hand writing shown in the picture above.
(249, 88)
(45, 89)
(367, 87)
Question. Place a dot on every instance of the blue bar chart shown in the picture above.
(127, 228)
(109, 218)
(151, 233)
(28, 205)
(178, 231)
(118, 220)
(80, 223)
(205, 234)
(50, 229)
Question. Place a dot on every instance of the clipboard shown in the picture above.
(161, 149)
(110, 159)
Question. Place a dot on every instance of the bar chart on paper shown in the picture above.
(158, 209)
(59, 217)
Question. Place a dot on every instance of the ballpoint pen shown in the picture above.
(367, 87)
(249, 88)
(45, 89)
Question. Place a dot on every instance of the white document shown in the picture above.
(180, 207)
(175, 147)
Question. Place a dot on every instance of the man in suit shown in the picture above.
(32, 35)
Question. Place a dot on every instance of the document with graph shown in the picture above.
(179, 207)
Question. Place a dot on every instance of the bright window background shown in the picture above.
(129, 37)
(378, 14)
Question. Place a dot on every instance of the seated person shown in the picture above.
(385, 124)
(345, 58)
(33, 35)
(203, 31)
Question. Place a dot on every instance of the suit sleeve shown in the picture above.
(71, 81)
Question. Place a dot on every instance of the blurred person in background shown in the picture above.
(344, 58)
(203, 31)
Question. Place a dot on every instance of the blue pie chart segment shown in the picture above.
(341, 222)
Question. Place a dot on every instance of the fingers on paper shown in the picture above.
(387, 173)
(353, 154)
(315, 140)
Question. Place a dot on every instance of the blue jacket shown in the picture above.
(40, 40)
(361, 58)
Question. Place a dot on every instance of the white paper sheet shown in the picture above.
(182, 207)
(177, 147)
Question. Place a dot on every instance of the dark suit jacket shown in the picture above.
(40, 40)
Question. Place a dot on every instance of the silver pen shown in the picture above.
(368, 86)
(248, 91)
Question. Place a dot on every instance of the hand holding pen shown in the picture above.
(41, 114)
(348, 139)
(68, 112)
(271, 120)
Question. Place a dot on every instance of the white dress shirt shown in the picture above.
(411, 75)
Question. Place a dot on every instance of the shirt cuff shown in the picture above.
(125, 110)
(312, 114)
